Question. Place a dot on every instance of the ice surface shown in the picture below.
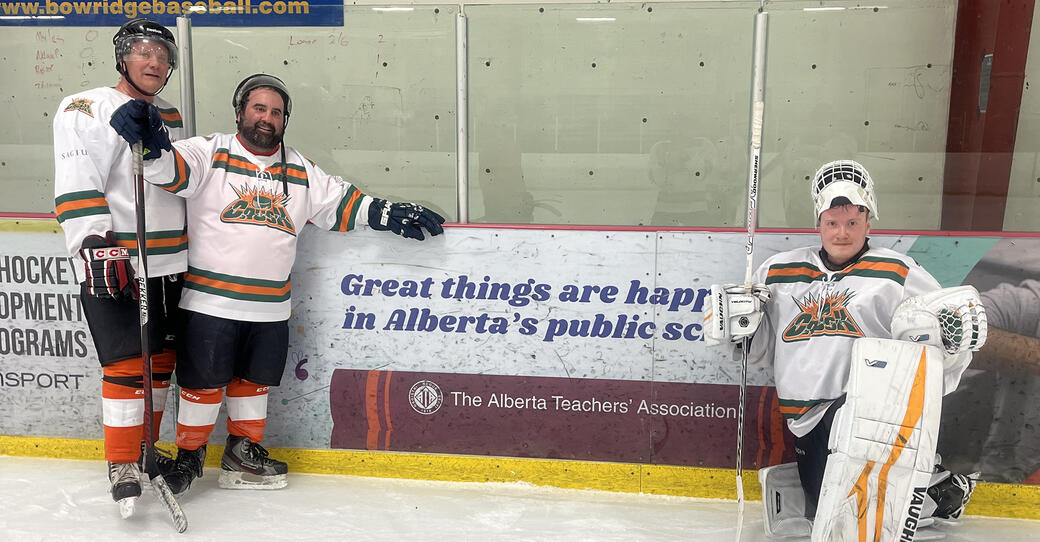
(57, 499)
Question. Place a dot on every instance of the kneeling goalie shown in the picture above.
(863, 343)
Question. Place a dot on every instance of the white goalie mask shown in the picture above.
(845, 179)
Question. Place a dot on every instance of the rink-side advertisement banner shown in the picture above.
(166, 12)
(528, 343)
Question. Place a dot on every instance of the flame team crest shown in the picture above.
(824, 315)
(260, 207)
(82, 105)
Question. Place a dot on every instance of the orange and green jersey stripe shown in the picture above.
(233, 163)
(234, 287)
(77, 204)
(346, 212)
(793, 272)
(791, 409)
(171, 117)
(869, 266)
(881, 268)
(181, 173)
(159, 242)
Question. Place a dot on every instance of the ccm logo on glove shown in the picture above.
(111, 253)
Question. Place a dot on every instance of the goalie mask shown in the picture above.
(843, 182)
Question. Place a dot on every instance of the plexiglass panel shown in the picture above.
(862, 82)
(1023, 204)
(373, 100)
(609, 114)
(42, 65)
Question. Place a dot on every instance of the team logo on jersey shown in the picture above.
(824, 315)
(259, 207)
(82, 105)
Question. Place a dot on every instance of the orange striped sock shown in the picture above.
(122, 405)
(197, 415)
(247, 409)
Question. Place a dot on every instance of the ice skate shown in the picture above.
(187, 467)
(245, 465)
(164, 465)
(126, 486)
(949, 494)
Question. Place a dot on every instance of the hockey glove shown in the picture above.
(951, 318)
(109, 273)
(404, 219)
(736, 311)
(138, 120)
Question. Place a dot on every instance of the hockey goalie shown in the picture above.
(863, 344)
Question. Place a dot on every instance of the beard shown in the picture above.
(257, 139)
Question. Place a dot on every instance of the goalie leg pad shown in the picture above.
(783, 502)
(883, 443)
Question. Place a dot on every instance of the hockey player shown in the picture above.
(94, 201)
(815, 310)
(248, 197)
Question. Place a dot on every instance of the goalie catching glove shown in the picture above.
(404, 219)
(951, 318)
(736, 311)
(109, 273)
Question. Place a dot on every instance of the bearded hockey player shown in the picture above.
(863, 343)
(94, 203)
(248, 197)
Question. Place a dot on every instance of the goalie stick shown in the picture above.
(180, 521)
(758, 69)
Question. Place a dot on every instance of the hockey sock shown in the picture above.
(197, 415)
(162, 371)
(247, 409)
(122, 410)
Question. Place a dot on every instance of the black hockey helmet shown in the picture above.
(260, 80)
(143, 30)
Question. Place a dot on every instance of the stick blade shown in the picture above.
(180, 521)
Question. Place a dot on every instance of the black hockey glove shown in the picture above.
(404, 219)
(138, 120)
(109, 273)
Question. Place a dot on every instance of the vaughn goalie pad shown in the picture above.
(883, 444)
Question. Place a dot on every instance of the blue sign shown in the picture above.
(201, 12)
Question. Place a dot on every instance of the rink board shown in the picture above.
(503, 343)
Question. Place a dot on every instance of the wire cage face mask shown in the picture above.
(843, 179)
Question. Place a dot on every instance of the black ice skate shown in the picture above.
(245, 465)
(126, 486)
(187, 467)
(164, 463)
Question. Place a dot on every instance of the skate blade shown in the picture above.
(126, 507)
(245, 480)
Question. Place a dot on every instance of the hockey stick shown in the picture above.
(180, 521)
(758, 69)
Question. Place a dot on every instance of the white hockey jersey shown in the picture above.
(815, 315)
(244, 226)
(94, 188)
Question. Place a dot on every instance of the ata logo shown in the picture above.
(825, 315)
(82, 105)
(425, 397)
(259, 207)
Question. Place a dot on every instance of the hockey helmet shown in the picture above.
(258, 80)
(843, 182)
(143, 30)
